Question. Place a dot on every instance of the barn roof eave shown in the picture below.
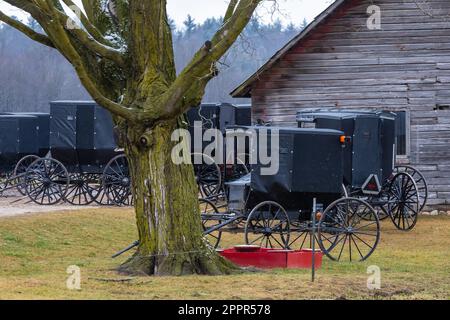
(244, 90)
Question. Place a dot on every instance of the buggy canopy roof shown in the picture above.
(81, 133)
(309, 161)
(309, 165)
(372, 149)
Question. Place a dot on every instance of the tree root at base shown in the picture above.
(208, 263)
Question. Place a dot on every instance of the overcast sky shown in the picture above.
(289, 10)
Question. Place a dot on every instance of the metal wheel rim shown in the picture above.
(20, 171)
(421, 183)
(266, 227)
(42, 192)
(404, 201)
(112, 181)
(345, 229)
(80, 191)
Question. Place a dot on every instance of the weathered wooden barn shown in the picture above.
(340, 61)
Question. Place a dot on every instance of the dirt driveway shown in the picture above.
(14, 205)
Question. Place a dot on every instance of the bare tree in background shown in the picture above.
(31, 75)
(123, 55)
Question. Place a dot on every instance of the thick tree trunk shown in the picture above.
(167, 212)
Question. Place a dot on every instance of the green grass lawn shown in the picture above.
(36, 250)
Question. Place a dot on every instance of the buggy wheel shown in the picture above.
(268, 226)
(344, 191)
(20, 170)
(4, 182)
(46, 181)
(420, 180)
(81, 191)
(301, 235)
(208, 176)
(383, 213)
(116, 181)
(349, 230)
(96, 187)
(101, 197)
(380, 204)
(208, 210)
(404, 204)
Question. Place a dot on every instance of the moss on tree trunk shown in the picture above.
(167, 212)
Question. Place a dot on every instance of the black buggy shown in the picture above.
(21, 144)
(278, 211)
(84, 164)
(399, 192)
(212, 176)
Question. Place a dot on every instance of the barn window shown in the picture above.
(402, 133)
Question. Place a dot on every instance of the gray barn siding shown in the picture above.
(404, 66)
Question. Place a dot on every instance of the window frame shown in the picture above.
(407, 133)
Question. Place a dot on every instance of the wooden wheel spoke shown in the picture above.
(333, 236)
(281, 245)
(357, 247)
(360, 239)
(365, 226)
(302, 234)
(342, 249)
(275, 217)
(262, 236)
(338, 239)
(365, 233)
(304, 239)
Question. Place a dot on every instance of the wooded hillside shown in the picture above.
(29, 86)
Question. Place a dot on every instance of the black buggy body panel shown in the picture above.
(81, 135)
(371, 149)
(43, 126)
(310, 166)
(19, 137)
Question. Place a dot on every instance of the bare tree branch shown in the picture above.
(30, 33)
(200, 67)
(53, 21)
(87, 40)
(230, 10)
(63, 43)
(91, 29)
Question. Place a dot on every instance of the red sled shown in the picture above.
(252, 256)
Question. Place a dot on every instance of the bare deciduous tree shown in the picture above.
(123, 55)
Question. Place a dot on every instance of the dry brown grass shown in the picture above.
(35, 252)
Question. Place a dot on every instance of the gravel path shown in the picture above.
(16, 206)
